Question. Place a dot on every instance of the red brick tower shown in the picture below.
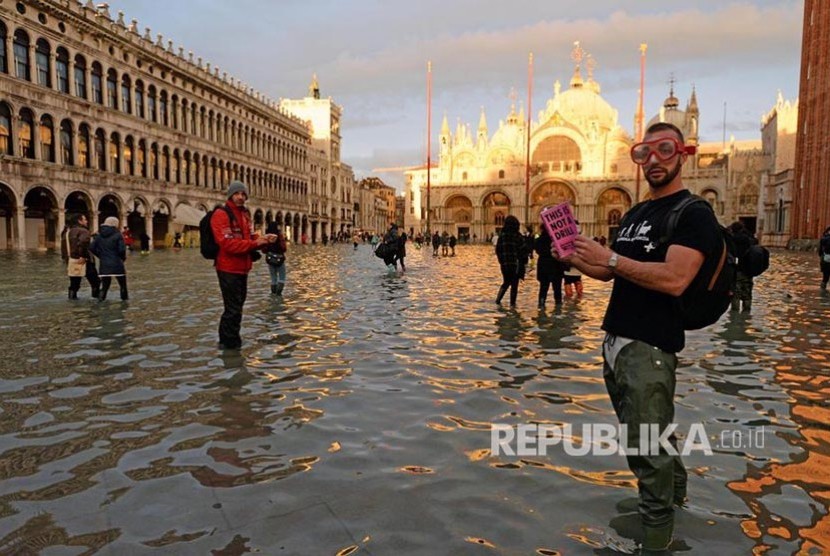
(811, 193)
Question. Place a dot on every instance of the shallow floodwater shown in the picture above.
(357, 417)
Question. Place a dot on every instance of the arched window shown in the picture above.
(142, 158)
(165, 164)
(139, 98)
(100, 156)
(21, 55)
(4, 56)
(62, 70)
(175, 167)
(24, 135)
(80, 76)
(97, 83)
(129, 155)
(5, 129)
(126, 86)
(163, 117)
(66, 143)
(154, 160)
(42, 52)
(186, 167)
(151, 103)
(115, 153)
(84, 160)
(193, 115)
(174, 108)
(501, 174)
(112, 89)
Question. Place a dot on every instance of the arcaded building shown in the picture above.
(579, 153)
(99, 118)
(811, 194)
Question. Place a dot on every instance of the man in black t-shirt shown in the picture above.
(644, 329)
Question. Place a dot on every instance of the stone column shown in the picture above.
(10, 53)
(88, 81)
(61, 224)
(148, 226)
(53, 74)
(21, 227)
(36, 139)
(32, 63)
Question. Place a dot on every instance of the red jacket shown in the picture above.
(234, 238)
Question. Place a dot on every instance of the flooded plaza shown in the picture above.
(357, 417)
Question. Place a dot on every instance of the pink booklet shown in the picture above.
(561, 226)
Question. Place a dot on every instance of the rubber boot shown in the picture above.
(502, 291)
(657, 539)
(278, 288)
(96, 293)
(274, 289)
(542, 299)
(747, 306)
(73, 294)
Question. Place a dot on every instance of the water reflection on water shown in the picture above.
(357, 417)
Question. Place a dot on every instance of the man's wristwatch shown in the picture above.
(612, 262)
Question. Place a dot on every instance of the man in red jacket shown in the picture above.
(231, 227)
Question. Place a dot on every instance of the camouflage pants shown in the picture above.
(743, 292)
(640, 382)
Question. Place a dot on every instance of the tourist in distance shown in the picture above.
(275, 258)
(79, 260)
(824, 257)
(111, 249)
(511, 251)
(549, 271)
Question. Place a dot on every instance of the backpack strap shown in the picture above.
(675, 214)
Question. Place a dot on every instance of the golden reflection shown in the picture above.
(40, 533)
(478, 455)
(481, 542)
(416, 470)
(348, 550)
(335, 447)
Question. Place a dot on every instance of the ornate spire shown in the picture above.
(577, 55)
(314, 87)
(445, 126)
(590, 65)
(482, 122)
(692, 107)
(671, 102)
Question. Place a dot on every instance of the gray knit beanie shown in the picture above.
(236, 187)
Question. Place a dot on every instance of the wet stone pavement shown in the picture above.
(357, 417)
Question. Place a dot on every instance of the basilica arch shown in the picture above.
(611, 205)
(495, 208)
(162, 212)
(550, 193)
(108, 205)
(458, 210)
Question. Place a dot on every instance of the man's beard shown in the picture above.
(657, 183)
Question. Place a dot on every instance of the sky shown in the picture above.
(370, 57)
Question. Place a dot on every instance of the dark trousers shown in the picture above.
(544, 286)
(91, 277)
(510, 279)
(106, 282)
(234, 291)
(641, 386)
(825, 273)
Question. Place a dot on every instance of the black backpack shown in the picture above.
(755, 262)
(207, 242)
(709, 295)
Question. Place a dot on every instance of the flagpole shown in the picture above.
(429, 143)
(527, 153)
(640, 111)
